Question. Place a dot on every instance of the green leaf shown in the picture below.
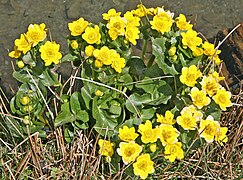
(214, 110)
(68, 58)
(159, 50)
(82, 115)
(126, 78)
(48, 78)
(147, 113)
(64, 118)
(137, 100)
(114, 109)
(27, 59)
(75, 102)
(21, 76)
(68, 135)
(137, 66)
(81, 125)
(103, 121)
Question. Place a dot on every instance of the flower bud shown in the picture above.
(74, 44)
(99, 93)
(89, 50)
(98, 63)
(26, 120)
(172, 51)
(25, 100)
(28, 108)
(153, 147)
(20, 64)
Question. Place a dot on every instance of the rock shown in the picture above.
(232, 54)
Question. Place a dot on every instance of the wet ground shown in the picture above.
(208, 17)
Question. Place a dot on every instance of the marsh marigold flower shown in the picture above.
(162, 22)
(103, 55)
(182, 24)
(74, 44)
(199, 98)
(127, 134)
(36, 33)
(195, 113)
(221, 135)
(143, 166)
(222, 98)
(116, 27)
(77, 27)
(149, 135)
(129, 151)
(168, 134)
(197, 51)
(190, 39)
(187, 120)
(131, 20)
(132, 34)
(216, 76)
(140, 11)
(89, 50)
(106, 149)
(22, 44)
(111, 13)
(50, 53)
(209, 128)
(92, 35)
(173, 151)
(15, 53)
(167, 119)
(190, 75)
(118, 63)
(210, 85)
(209, 49)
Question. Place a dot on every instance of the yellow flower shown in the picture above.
(25, 100)
(22, 44)
(195, 113)
(210, 85)
(209, 128)
(143, 166)
(140, 11)
(77, 27)
(116, 27)
(131, 20)
(162, 22)
(209, 49)
(197, 51)
(190, 39)
(216, 76)
(216, 59)
(132, 34)
(92, 35)
(15, 53)
(89, 50)
(182, 24)
(103, 55)
(221, 135)
(199, 98)
(173, 151)
(111, 13)
(118, 63)
(98, 63)
(50, 53)
(149, 135)
(74, 44)
(222, 98)
(127, 134)
(187, 120)
(190, 75)
(168, 134)
(106, 149)
(129, 151)
(168, 119)
(99, 93)
(36, 33)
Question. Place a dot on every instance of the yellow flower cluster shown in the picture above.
(108, 57)
(210, 130)
(210, 86)
(122, 26)
(35, 34)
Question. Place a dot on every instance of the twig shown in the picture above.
(42, 96)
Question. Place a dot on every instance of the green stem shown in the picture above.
(151, 61)
(145, 43)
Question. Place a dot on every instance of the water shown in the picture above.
(208, 17)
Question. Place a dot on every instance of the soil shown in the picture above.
(208, 17)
